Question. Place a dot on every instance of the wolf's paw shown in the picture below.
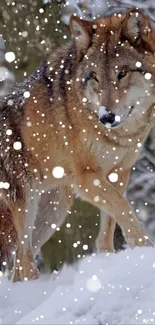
(25, 272)
(104, 246)
(29, 272)
(16, 275)
(140, 241)
(25, 267)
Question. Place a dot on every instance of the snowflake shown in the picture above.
(9, 132)
(10, 56)
(17, 145)
(148, 76)
(58, 172)
(113, 177)
(85, 247)
(26, 94)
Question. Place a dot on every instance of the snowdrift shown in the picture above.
(100, 289)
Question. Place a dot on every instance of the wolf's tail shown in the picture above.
(8, 236)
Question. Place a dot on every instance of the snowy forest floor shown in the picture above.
(100, 289)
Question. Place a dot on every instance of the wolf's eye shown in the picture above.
(122, 74)
(93, 75)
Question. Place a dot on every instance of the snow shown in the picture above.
(113, 177)
(100, 289)
(10, 56)
(26, 94)
(17, 145)
(97, 8)
(148, 76)
(58, 172)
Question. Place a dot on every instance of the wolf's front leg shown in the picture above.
(106, 197)
(24, 214)
(105, 239)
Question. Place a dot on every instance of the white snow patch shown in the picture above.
(107, 288)
(94, 284)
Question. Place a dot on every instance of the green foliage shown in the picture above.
(84, 221)
(31, 30)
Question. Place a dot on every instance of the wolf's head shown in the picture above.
(116, 70)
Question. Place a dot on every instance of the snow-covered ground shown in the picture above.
(102, 289)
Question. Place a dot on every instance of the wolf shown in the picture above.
(77, 126)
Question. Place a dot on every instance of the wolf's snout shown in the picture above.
(108, 118)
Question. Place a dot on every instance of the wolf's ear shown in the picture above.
(82, 31)
(136, 27)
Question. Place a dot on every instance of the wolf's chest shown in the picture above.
(114, 157)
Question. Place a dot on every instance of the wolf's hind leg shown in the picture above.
(53, 209)
(24, 214)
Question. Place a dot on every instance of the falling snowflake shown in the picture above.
(58, 172)
(53, 226)
(10, 56)
(26, 94)
(96, 182)
(9, 132)
(117, 118)
(96, 199)
(68, 225)
(139, 311)
(138, 64)
(85, 247)
(17, 145)
(148, 76)
(6, 185)
(113, 177)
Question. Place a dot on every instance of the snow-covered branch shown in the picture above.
(91, 9)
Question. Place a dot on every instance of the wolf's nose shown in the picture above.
(108, 118)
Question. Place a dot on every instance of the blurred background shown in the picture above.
(29, 31)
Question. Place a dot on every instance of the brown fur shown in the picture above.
(8, 236)
(57, 127)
